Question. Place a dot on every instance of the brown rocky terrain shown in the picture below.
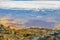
(10, 33)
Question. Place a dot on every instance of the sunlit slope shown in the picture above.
(7, 33)
(10, 33)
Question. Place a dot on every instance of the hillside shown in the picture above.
(7, 33)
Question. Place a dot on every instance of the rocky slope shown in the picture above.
(7, 33)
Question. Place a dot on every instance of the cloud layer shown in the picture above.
(30, 17)
(30, 5)
(16, 13)
(29, 0)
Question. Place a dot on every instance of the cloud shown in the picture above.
(29, 0)
(39, 16)
(30, 5)
(44, 18)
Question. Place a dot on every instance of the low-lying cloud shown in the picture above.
(30, 5)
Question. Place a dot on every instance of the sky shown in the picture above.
(26, 14)
(29, 0)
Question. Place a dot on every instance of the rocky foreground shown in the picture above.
(6, 33)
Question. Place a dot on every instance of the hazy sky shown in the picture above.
(42, 14)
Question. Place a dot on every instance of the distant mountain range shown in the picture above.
(46, 18)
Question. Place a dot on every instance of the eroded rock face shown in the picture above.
(6, 33)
